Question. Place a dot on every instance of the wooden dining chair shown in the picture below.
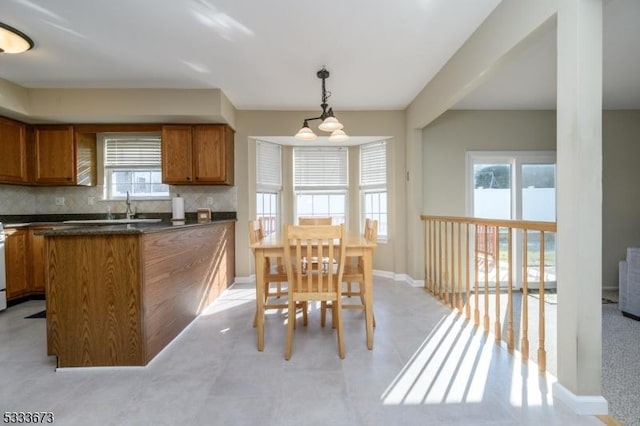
(274, 273)
(353, 267)
(308, 281)
(354, 274)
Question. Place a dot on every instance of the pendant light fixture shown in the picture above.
(13, 41)
(329, 122)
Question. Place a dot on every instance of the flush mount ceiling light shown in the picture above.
(329, 122)
(13, 41)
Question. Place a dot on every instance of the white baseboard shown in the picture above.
(245, 280)
(588, 405)
(399, 277)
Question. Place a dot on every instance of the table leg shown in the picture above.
(260, 262)
(367, 259)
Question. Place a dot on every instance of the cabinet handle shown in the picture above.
(188, 178)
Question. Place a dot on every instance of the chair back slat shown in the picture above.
(308, 249)
(315, 220)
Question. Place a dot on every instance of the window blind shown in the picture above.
(268, 165)
(321, 167)
(373, 164)
(132, 152)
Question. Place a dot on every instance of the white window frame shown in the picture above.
(269, 184)
(373, 180)
(516, 159)
(150, 164)
(325, 181)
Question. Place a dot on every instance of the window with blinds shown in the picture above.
(322, 167)
(373, 184)
(321, 180)
(268, 184)
(132, 163)
(268, 166)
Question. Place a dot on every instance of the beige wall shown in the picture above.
(389, 256)
(448, 138)
(621, 189)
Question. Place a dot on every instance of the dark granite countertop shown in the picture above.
(120, 229)
(21, 221)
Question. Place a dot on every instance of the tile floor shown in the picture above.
(428, 367)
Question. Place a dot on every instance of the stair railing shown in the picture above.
(469, 261)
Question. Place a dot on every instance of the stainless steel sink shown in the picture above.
(110, 221)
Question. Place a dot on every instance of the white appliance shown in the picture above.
(3, 272)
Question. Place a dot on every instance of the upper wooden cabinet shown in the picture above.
(13, 161)
(64, 157)
(200, 154)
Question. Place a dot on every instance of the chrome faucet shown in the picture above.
(130, 213)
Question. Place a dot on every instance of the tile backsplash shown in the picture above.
(15, 199)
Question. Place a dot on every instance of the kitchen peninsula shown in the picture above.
(118, 294)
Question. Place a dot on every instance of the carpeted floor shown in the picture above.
(620, 364)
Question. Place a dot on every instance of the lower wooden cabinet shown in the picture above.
(24, 251)
(37, 282)
(17, 261)
(118, 299)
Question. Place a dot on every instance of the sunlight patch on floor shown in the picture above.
(232, 298)
(454, 365)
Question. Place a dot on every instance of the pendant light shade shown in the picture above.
(305, 133)
(338, 136)
(329, 122)
(13, 41)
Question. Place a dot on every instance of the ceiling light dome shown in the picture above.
(13, 41)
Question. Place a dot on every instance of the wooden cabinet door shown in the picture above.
(13, 161)
(16, 256)
(177, 154)
(212, 152)
(55, 156)
(36, 245)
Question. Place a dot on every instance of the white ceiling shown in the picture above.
(265, 54)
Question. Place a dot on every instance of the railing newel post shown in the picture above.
(459, 266)
(542, 354)
(510, 336)
(468, 275)
(486, 280)
(498, 325)
(476, 312)
(524, 344)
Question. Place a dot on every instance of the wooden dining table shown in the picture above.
(272, 246)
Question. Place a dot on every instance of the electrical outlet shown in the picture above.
(91, 201)
(59, 201)
(209, 201)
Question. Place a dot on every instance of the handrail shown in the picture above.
(464, 255)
